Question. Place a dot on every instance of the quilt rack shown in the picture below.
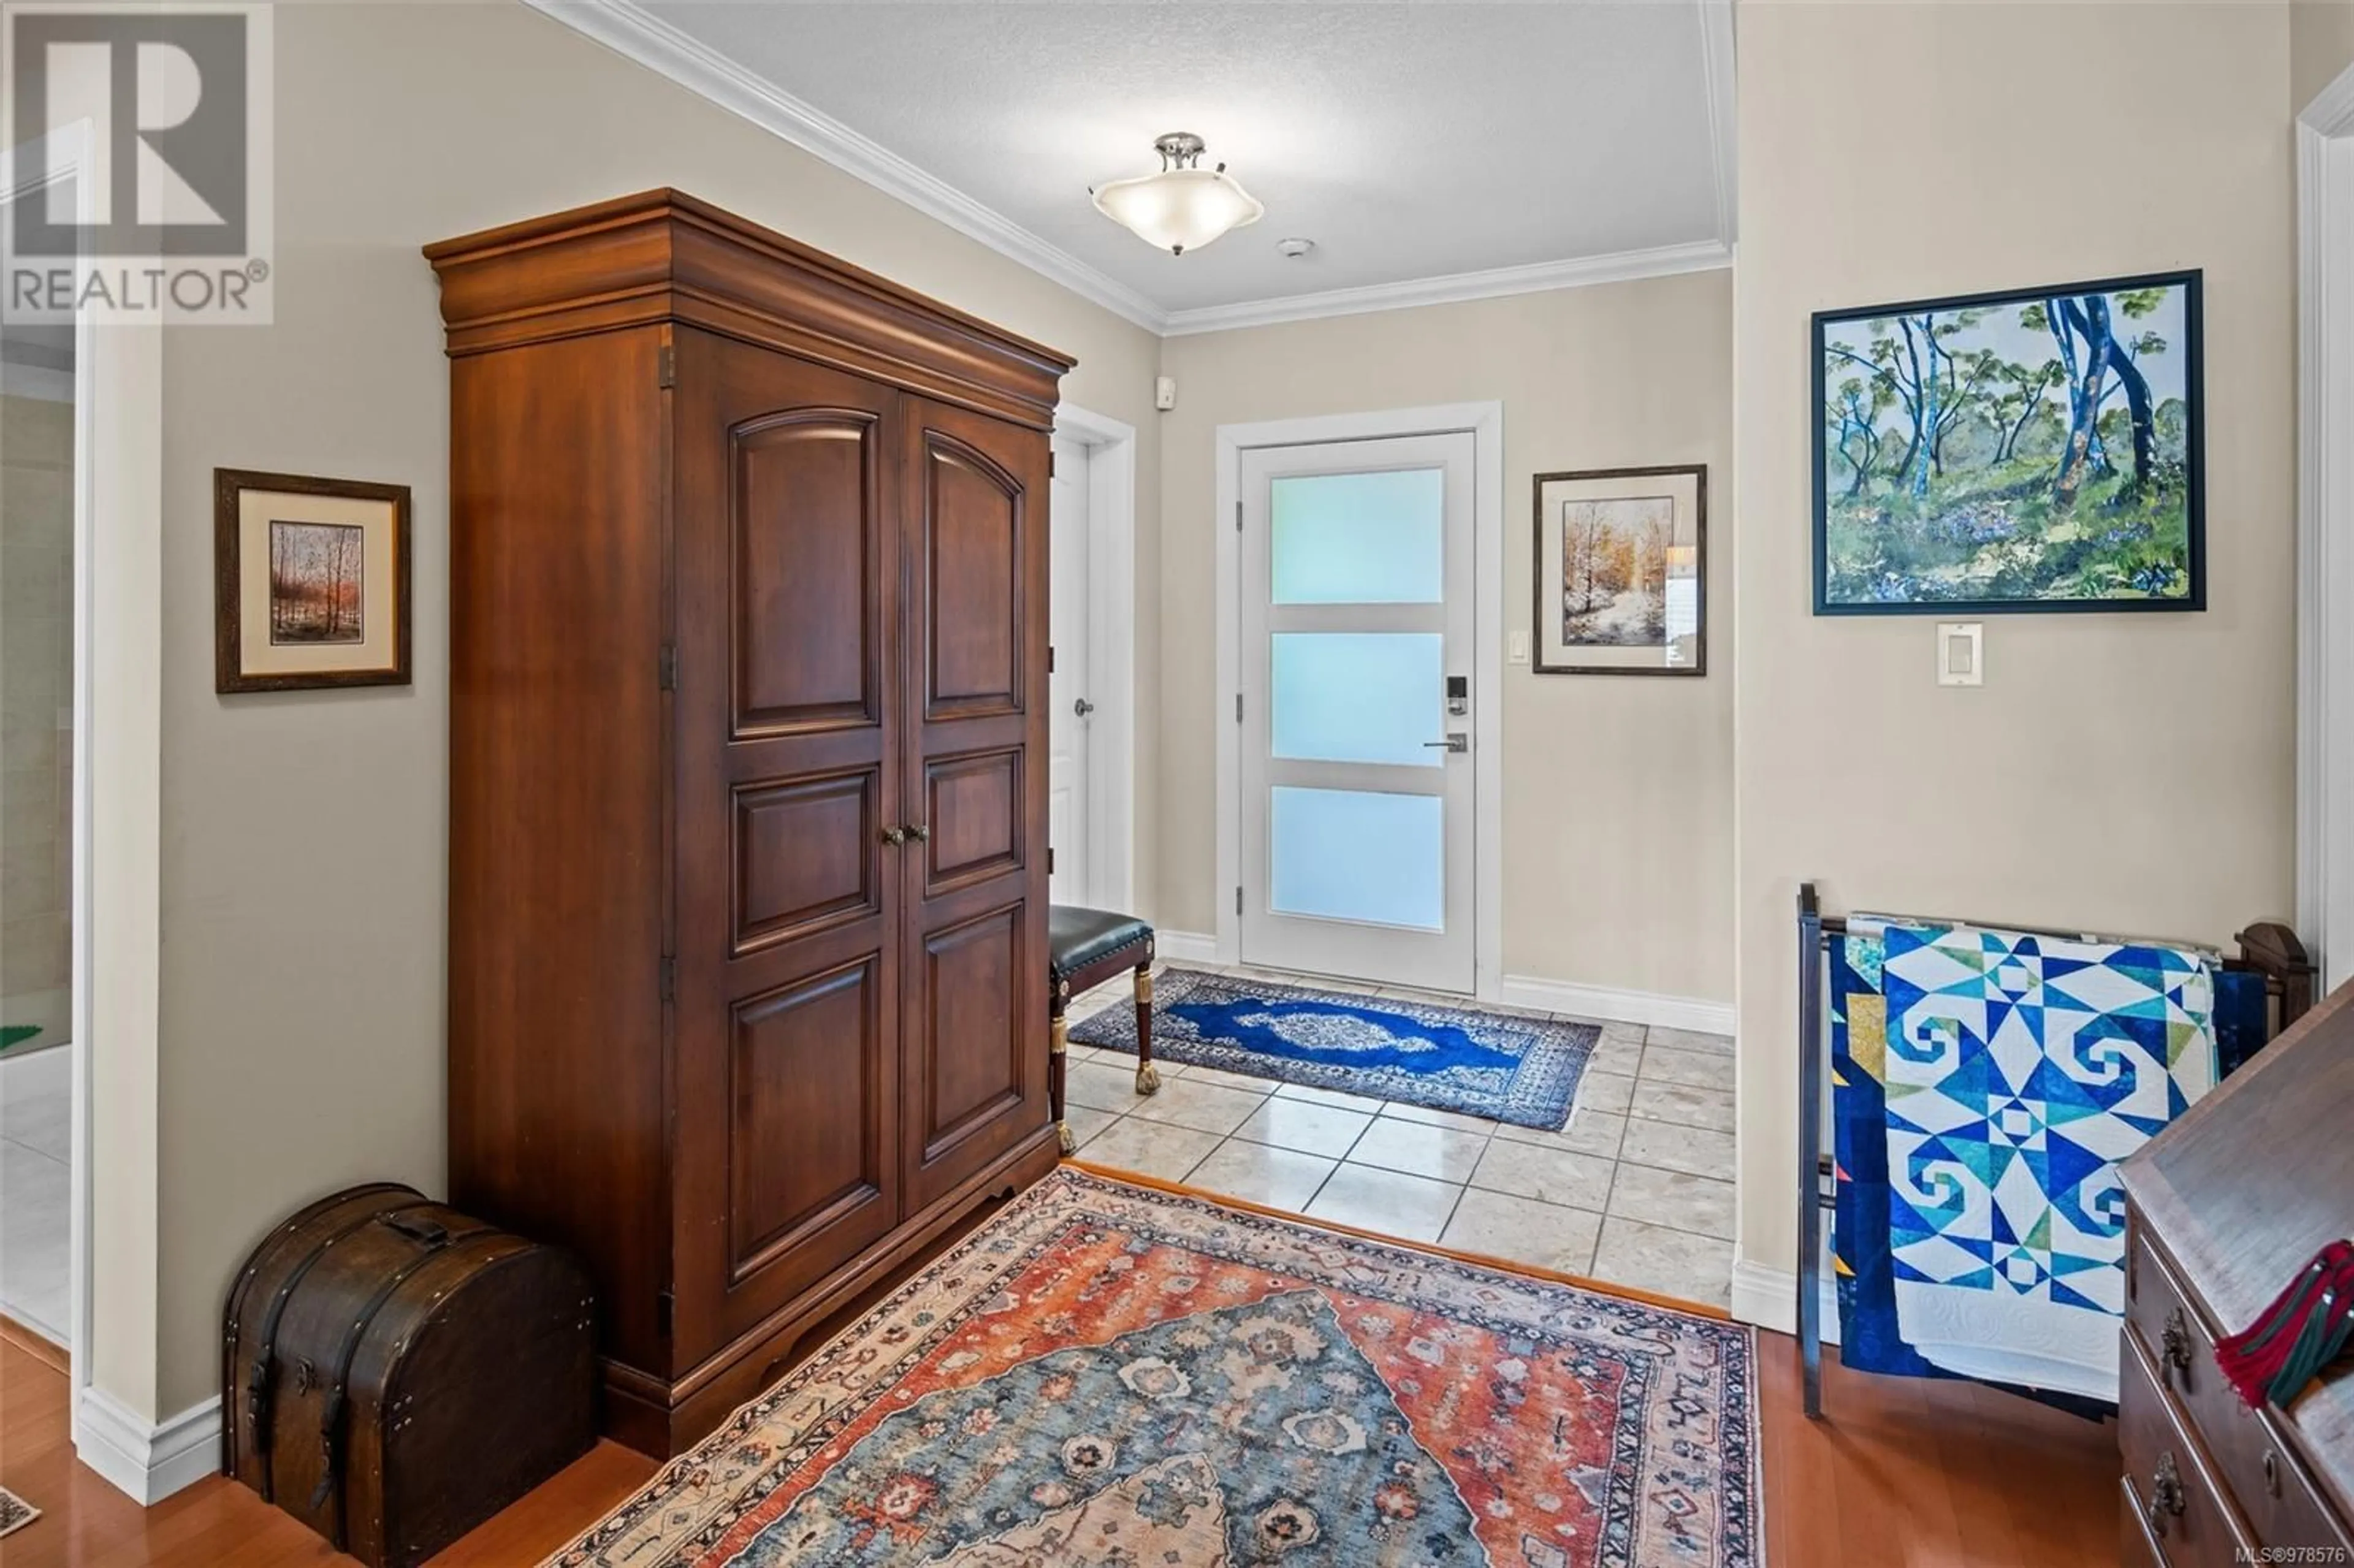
(2268, 949)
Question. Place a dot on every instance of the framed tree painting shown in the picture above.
(2037, 450)
(1622, 572)
(311, 582)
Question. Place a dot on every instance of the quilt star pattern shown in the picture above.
(2020, 1070)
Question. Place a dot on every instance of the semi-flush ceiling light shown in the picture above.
(1182, 208)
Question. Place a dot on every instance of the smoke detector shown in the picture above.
(1294, 249)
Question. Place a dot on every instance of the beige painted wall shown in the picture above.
(2321, 45)
(1617, 792)
(2051, 795)
(303, 835)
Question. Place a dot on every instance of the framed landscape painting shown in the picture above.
(311, 582)
(1621, 572)
(2037, 450)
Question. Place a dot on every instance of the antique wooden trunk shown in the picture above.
(394, 1373)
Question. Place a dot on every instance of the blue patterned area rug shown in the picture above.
(1508, 1068)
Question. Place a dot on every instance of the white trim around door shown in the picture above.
(1485, 423)
(2325, 727)
(1111, 651)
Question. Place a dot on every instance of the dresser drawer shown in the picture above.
(2251, 1465)
(2167, 1476)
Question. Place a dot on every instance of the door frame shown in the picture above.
(2325, 728)
(1484, 422)
(1111, 651)
(116, 888)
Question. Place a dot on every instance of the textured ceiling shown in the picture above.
(1409, 142)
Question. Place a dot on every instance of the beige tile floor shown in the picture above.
(1637, 1189)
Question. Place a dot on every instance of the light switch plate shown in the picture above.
(1961, 653)
(1516, 648)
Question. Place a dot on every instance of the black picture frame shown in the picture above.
(1543, 584)
(2192, 283)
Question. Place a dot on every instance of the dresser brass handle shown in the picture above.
(2166, 1497)
(894, 835)
(2174, 1341)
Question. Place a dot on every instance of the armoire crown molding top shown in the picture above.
(666, 255)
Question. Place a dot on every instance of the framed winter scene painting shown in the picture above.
(2036, 450)
(1622, 572)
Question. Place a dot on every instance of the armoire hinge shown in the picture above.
(666, 366)
(669, 978)
(1050, 463)
(1239, 516)
(1238, 707)
(666, 667)
(1050, 860)
(663, 1305)
(1050, 658)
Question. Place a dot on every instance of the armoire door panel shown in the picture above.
(973, 807)
(974, 1067)
(974, 517)
(790, 910)
(807, 1185)
(805, 515)
(805, 854)
(974, 1043)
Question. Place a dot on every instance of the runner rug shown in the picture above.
(1506, 1067)
(1107, 1373)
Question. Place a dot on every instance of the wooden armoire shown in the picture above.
(747, 810)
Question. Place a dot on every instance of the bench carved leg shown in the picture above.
(1058, 1050)
(1148, 1077)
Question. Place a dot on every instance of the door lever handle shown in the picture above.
(1456, 742)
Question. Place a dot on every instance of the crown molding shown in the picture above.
(635, 34)
(1723, 116)
(1700, 256)
(648, 40)
(2331, 113)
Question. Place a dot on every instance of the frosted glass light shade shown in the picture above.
(1179, 209)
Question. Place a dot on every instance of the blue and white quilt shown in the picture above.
(2020, 1070)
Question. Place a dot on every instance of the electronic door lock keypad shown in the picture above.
(1459, 694)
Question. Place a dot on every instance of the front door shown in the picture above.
(1357, 791)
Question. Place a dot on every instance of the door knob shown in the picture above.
(1459, 741)
(920, 833)
(1083, 707)
(894, 835)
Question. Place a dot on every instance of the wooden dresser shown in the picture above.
(2223, 1209)
(747, 777)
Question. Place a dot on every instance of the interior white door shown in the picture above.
(1068, 699)
(1357, 773)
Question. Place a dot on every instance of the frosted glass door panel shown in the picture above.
(1359, 696)
(1360, 538)
(1349, 854)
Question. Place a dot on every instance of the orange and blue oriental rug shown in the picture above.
(1104, 1375)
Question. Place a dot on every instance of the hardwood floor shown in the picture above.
(1902, 1475)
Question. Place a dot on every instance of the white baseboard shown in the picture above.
(1185, 947)
(1769, 1298)
(1612, 1006)
(146, 1463)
